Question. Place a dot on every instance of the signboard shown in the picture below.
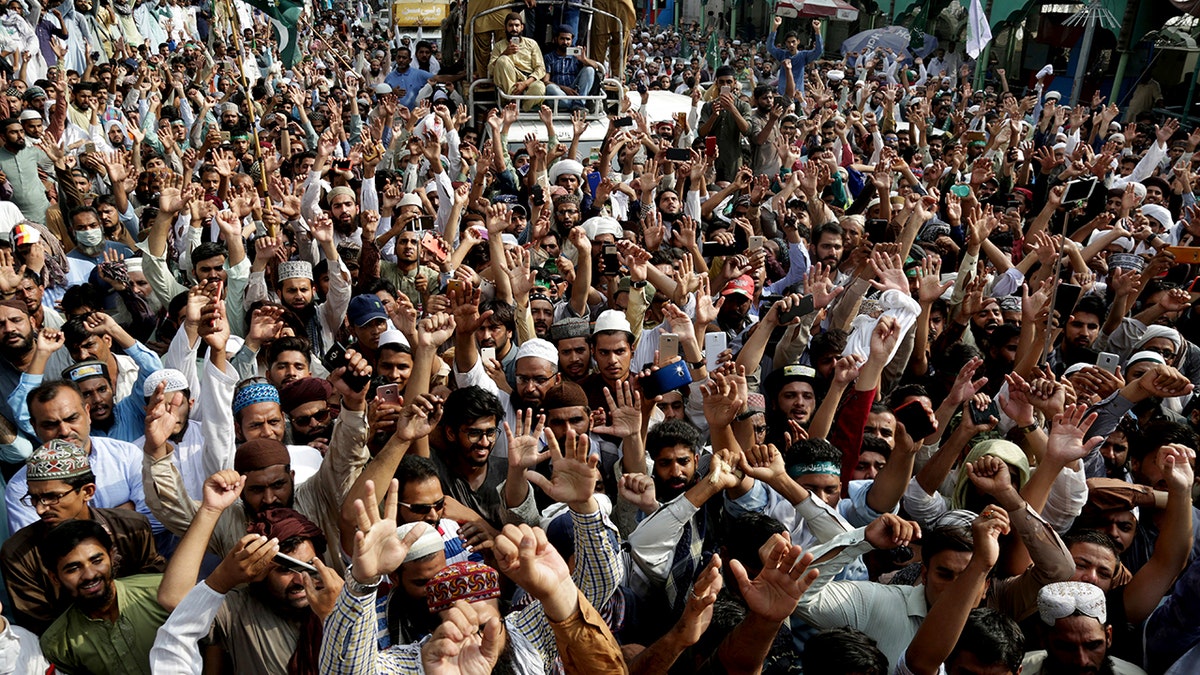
(429, 13)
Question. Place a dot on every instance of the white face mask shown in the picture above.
(90, 238)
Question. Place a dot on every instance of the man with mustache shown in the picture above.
(306, 402)
(57, 411)
(104, 610)
(61, 486)
(19, 162)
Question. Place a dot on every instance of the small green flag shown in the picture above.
(710, 54)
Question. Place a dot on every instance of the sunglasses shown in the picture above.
(422, 509)
(320, 417)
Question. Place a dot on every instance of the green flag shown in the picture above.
(710, 54)
(284, 15)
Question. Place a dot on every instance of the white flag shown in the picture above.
(979, 33)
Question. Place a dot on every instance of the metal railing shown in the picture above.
(585, 10)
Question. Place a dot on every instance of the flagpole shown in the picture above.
(236, 22)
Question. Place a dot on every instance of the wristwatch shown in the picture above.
(1030, 429)
(638, 284)
(358, 589)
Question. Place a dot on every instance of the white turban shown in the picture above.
(565, 166)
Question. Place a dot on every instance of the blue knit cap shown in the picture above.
(259, 392)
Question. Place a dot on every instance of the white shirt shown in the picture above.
(20, 652)
(176, 647)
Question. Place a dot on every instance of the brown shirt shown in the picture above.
(256, 637)
(36, 603)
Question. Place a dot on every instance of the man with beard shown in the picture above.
(122, 420)
(407, 274)
(212, 261)
(263, 459)
(535, 364)
(523, 643)
(1076, 633)
(87, 230)
(470, 470)
(827, 244)
(570, 338)
(667, 547)
(306, 403)
(541, 310)
(517, 68)
(269, 625)
(294, 283)
(734, 315)
(1081, 331)
(343, 209)
(104, 611)
(791, 396)
(764, 133)
(61, 485)
(19, 162)
(289, 358)
(57, 412)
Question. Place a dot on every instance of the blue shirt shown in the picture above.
(799, 61)
(562, 69)
(118, 469)
(410, 81)
(124, 250)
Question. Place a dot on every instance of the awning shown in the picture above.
(834, 10)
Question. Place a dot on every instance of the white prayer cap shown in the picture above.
(1065, 598)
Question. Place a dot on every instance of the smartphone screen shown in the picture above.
(915, 420)
(1065, 299)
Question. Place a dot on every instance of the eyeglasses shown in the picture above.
(474, 435)
(539, 381)
(48, 499)
(1163, 352)
(422, 509)
(760, 428)
(320, 417)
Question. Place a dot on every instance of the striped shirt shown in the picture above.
(349, 646)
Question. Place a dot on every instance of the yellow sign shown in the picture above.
(410, 13)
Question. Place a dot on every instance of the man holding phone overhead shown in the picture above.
(725, 117)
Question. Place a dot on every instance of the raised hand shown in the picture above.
(249, 561)
(638, 489)
(891, 531)
(377, 549)
(625, 412)
(461, 645)
(697, 613)
(776, 591)
(434, 330)
(160, 417)
(524, 555)
(763, 463)
(418, 417)
(573, 470)
(523, 443)
(724, 396)
(222, 489)
(323, 594)
(1066, 442)
(987, 529)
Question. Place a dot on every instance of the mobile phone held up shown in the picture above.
(335, 358)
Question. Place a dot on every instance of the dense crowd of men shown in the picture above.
(840, 365)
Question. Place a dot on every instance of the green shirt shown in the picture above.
(21, 170)
(75, 643)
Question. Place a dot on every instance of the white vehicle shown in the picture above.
(661, 106)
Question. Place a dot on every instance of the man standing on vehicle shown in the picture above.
(518, 69)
